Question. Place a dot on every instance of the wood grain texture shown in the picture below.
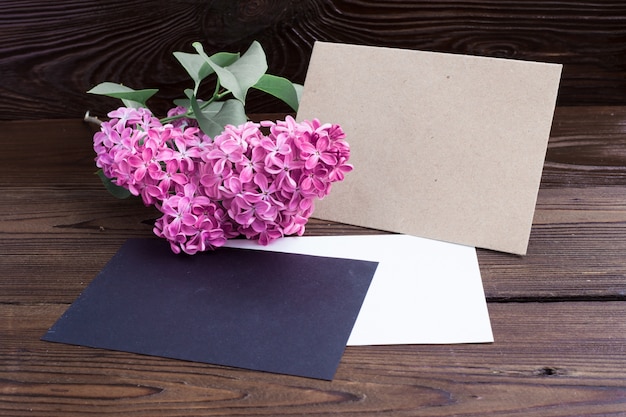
(541, 365)
(52, 52)
(557, 313)
(578, 237)
(52, 200)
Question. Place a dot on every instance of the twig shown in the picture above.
(92, 119)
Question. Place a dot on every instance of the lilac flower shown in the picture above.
(225, 153)
(277, 147)
(242, 182)
(249, 165)
(185, 153)
(314, 182)
(283, 169)
(212, 181)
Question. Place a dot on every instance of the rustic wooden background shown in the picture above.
(557, 314)
(52, 52)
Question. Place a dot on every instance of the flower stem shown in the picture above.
(92, 119)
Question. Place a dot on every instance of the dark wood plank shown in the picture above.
(55, 206)
(587, 148)
(557, 313)
(55, 235)
(50, 236)
(540, 365)
(579, 229)
(52, 52)
(576, 249)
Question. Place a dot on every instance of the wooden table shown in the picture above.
(558, 314)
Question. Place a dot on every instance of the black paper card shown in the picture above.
(267, 311)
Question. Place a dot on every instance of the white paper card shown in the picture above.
(424, 291)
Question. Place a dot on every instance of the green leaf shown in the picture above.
(206, 110)
(130, 97)
(133, 104)
(224, 59)
(114, 189)
(241, 75)
(232, 113)
(204, 122)
(198, 68)
(211, 110)
(183, 102)
(217, 115)
(195, 65)
(189, 93)
(299, 89)
(280, 88)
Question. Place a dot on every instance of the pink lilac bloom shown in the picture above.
(212, 182)
(226, 152)
(318, 148)
(252, 164)
(241, 182)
